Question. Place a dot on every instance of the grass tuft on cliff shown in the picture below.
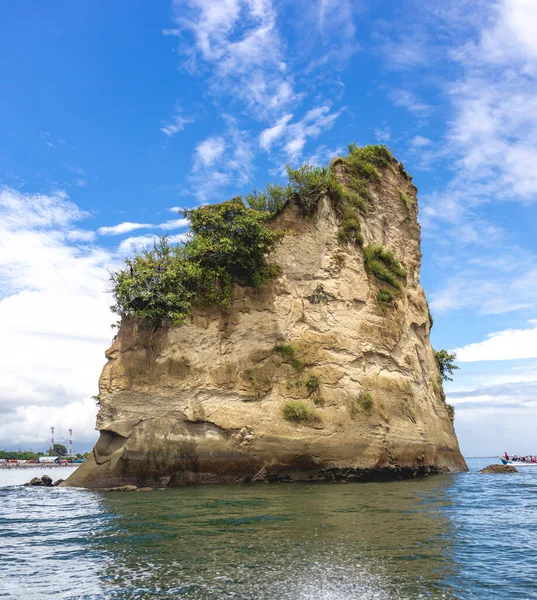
(289, 354)
(383, 265)
(298, 412)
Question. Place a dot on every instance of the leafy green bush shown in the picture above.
(272, 199)
(298, 412)
(308, 183)
(228, 244)
(446, 364)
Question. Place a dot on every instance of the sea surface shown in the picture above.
(454, 536)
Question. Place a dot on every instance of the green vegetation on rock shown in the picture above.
(289, 354)
(363, 403)
(446, 364)
(385, 297)
(366, 401)
(228, 244)
(312, 384)
(298, 412)
(387, 270)
(404, 199)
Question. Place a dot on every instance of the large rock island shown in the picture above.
(324, 372)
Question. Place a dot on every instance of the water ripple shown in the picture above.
(443, 537)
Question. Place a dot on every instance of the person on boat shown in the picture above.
(506, 456)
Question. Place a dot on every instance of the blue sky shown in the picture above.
(114, 114)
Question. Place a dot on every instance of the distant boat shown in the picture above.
(518, 463)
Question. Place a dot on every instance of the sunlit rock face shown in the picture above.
(210, 401)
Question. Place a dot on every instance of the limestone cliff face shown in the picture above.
(205, 402)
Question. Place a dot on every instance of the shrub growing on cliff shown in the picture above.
(272, 199)
(308, 183)
(451, 411)
(228, 244)
(361, 167)
(446, 364)
(298, 412)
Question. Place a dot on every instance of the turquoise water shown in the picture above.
(457, 536)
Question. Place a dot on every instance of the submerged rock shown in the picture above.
(320, 374)
(499, 469)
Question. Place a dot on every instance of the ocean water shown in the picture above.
(455, 536)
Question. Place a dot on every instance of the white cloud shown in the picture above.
(129, 245)
(220, 162)
(54, 317)
(121, 228)
(411, 101)
(177, 124)
(383, 134)
(294, 136)
(173, 224)
(509, 344)
(270, 135)
(489, 289)
(239, 42)
(419, 141)
(208, 152)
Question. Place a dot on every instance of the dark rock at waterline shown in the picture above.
(58, 481)
(44, 481)
(499, 469)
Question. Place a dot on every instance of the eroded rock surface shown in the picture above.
(205, 402)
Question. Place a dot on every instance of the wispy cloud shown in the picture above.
(291, 138)
(510, 344)
(132, 244)
(173, 224)
(220, 161)
(239, 43)
(419, 141)
(411, 101)
(208, 152)
(120, 228)
(127, 227)
(176, 124)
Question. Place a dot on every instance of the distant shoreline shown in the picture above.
(38, 465)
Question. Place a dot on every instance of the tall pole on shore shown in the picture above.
(52, 442)
(70, 442)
